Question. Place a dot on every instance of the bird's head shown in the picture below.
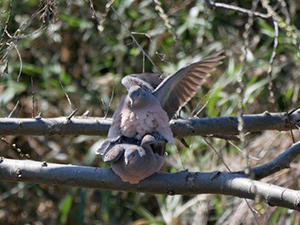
(137, 96)
(132, 155)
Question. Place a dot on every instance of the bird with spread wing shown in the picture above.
(153, 100)
(145, 112)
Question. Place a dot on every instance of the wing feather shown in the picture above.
(113, 154)
(176, 90)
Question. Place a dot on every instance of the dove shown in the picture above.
(153, 100)
(133, 162)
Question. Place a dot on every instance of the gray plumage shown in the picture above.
(134, 163)
(152, 101)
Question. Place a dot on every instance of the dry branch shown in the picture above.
(186, 183)
(212, 4)
(180, 127)
(280, 162)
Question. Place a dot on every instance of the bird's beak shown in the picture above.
(131, 102)
(126, 161)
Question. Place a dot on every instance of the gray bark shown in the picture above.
(280, 162)
(235, 184)
(180, 127)
(187, 183)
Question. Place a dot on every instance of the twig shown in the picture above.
(161, 56)
(224, 137)
(32, 93)
(220, 157)
(212, 4)
(20, 58)
(194, 113)
(289, 28)
(94, 14)
(6, 23)
(109, 104)
(282, 161)
(34, 15)
(72, 114)
(285, 11)
(85, 114)
(12, 111)
(14, 146)
(290, 123)
(133, 38)
(165, 18)
(12, 41)
(66, 94)
(240, 150)
(293, 110)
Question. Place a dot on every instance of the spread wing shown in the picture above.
(176, 90)
(148, 81)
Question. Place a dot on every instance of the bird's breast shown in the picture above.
(137, 123)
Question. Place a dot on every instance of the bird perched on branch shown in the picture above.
(153, 100)
(134, 162)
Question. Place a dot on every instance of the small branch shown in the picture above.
(6, 24)
(20, 59)
(180, 127)
(134, 40)
(14, 147)
(72, 115)
(186, 183)
(66, 94)
(218, 154)
(32, 93)
(280, 162)
(236, 8)
(109, 104)
(225, 137)
(13, 110)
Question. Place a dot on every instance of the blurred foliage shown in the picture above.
(58, 49)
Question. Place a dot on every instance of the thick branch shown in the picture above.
(180, 127)
(187, 183)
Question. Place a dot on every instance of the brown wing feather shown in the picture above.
(176, 90)
(113, 154)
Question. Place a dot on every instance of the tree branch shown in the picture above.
(212, 4)
(187, 183)
(180, 127)
(280, 162)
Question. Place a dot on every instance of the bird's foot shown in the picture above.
(154, 137)
(129, 140)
